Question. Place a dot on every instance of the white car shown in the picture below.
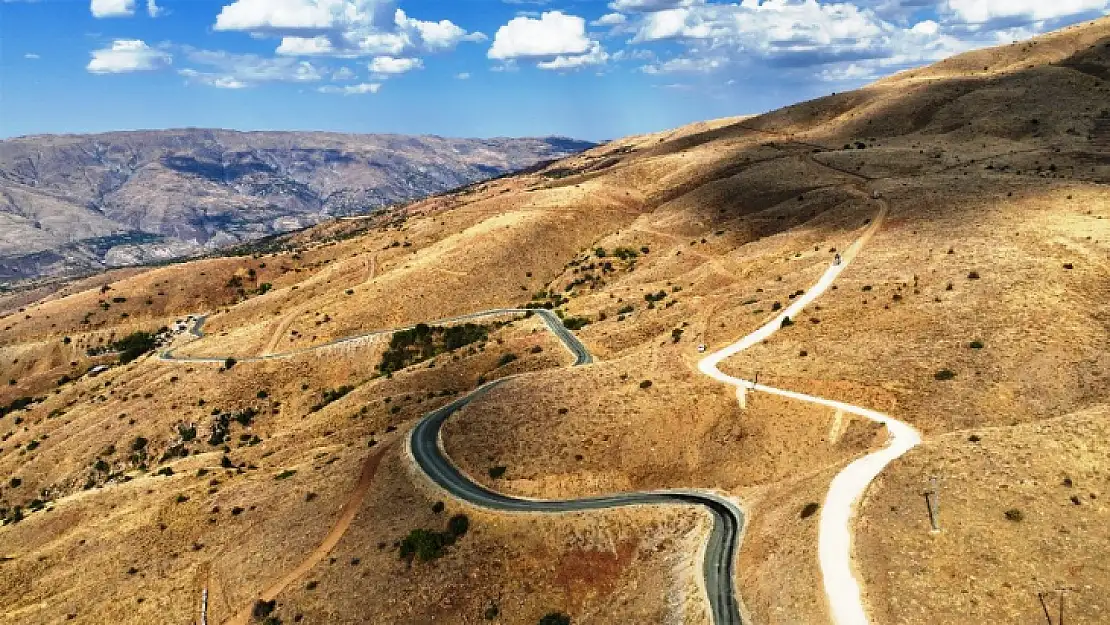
(701, 348)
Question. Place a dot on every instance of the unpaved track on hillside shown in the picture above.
(288, 319)
(346, 516)
(835, 532)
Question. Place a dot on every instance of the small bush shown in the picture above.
(945, 375)
(229, 363)
(974, 275)
(262, 609)
(424, 544)
(497, 472)
(646, 384)
(506, 359)
(676, 335)
(437, 507)
(1015, 515)
(976, 345)
(284, 475)
(809, 510)
(555, 618)
(787, 322)
(458, 525)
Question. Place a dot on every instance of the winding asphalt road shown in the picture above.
(425, 445)
(718, 565)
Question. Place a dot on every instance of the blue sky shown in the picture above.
(592, 69)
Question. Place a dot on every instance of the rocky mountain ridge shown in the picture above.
(70, 204)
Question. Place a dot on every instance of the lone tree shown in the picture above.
(555, 618)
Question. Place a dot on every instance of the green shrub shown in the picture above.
(497, 472)
(976, 345)
(1015, 515)
(506, 359)
(426, 545)
(134, 345)
(555, 618)
(645, 384)
(575, 323)
(945, 375)
(787, 322)
(809, 510)
(284, 475)
(458, 525)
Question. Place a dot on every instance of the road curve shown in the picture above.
(426, 449)
(834, 548)
(425, 445)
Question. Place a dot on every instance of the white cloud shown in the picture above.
(647, 6)
(596, 55)
(979, 11)
(343, 73)
(555, 41)
(342, 28)
(359, 89)
(610, 19)
(31, 56)
(391, 65)
(213, 80)
(236, 71)
(112, 8)
(128, 55)
(437, 36)
(153, 10)
(290, 15)
(686, 64)
(306, 46)
(463, 76)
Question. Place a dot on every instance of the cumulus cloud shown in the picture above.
(463, 76)
(128, 55)
(236, 71)
(153, 10)
(554, 33)
(342, 28)
(610, 19)
(359, 89)
(645, 6)
(555, 41)
(31, 56)
(112, 8)
(981, 11)
(390, 65)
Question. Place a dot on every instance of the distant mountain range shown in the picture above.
(70, 204)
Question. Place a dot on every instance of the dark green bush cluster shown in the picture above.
(408, 347)
(130, 347)
(576, 323)
(427, 545)
(17, 404)
(625, 253)
(555, 618)
(332, 395)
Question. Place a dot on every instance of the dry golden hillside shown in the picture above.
(977, 313)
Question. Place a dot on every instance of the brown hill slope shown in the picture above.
(992, 265)
(72, 203)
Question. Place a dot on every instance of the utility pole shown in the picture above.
(1044, 606)
(932, 503)
(1063, 592)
